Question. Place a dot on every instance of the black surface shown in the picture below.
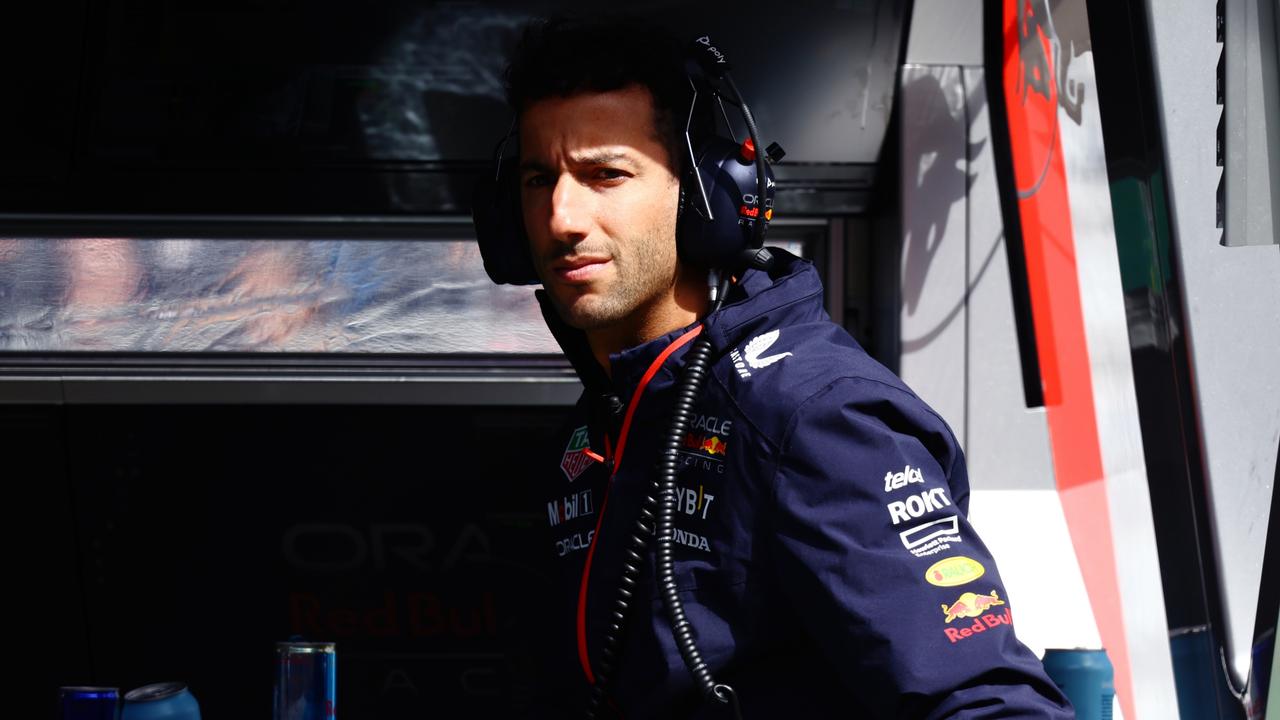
(341, 107)
(412, 537)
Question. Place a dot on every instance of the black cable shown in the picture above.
(688, 389)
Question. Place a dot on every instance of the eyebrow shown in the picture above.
(593, 157)
(601, 157)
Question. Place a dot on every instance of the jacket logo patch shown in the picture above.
(758, 345)
(739, 364)
(894, 480)
(982, 624)
(570, 507)
(932, 537)
(917, 505)
(574, 543)
(694, 503)
(693, 540)
(974, 605)
(971, 605)
(576, 460)
(710, 445)
(953, 571)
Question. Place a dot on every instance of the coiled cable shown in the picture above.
(697, 369)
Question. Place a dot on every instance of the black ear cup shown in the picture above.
(729, 180)
(495, 210)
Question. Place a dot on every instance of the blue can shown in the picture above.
(89, 703)
(160, 701)
(306, 681)
(1086, 678)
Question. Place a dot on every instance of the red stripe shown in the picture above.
(1058, 315)
(657, 363)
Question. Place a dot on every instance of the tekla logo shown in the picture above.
(576, 460)
(894, 480)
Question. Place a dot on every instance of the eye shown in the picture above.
(610, 174)
(537, 180)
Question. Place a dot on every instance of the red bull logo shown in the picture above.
(709, 444)
(980, 625)
(971, 605)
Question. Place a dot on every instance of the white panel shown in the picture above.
(945, 32)
(934, 174)
(1008, 444)
(1026, 531)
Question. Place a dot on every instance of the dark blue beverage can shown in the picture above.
(306, 681)
(160, 701)
(1086, 678)
(89, 703)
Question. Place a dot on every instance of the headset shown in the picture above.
(718, 227)
(726, 203)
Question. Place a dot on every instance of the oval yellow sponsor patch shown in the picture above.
(954, 571)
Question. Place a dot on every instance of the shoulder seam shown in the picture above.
(784, 442)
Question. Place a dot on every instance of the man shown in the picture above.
(822, 553)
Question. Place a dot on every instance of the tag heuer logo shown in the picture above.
(575, 459)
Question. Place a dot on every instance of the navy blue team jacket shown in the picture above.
(823, 552)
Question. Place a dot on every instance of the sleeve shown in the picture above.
(875, 555)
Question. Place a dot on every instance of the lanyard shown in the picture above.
(615, 459)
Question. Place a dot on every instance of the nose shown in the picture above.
(571, 210)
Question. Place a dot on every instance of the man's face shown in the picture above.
(599, 202)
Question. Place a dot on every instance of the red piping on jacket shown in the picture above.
(617, 463)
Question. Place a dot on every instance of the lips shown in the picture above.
(579, 269)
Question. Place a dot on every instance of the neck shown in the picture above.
(686, 302)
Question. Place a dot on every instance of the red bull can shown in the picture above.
(89, 703)
(306, 681)
(1086, 678)
(160, 701)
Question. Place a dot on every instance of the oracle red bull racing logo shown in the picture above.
(576, 459)
(974, 605)
(711, 445)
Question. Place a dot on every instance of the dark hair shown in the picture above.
(565, 56)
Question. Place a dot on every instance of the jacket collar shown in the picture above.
(789, 293)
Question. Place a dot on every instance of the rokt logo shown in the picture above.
(917, 505)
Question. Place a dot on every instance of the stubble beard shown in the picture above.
(639, 280)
